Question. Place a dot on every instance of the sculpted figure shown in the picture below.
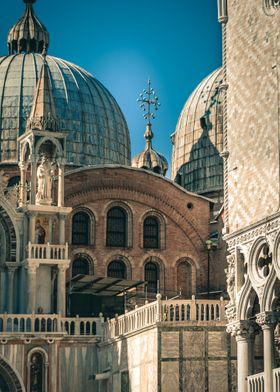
(35, 375)
(44, 180)
(40, 233)
(230, 274)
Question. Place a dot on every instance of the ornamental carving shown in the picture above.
(271, 6)
(230, 274)
(242, 329)
(267, 319)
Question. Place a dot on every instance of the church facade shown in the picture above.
(112, 277)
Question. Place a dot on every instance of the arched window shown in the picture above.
(117, 269)
(80, 266)
(184, 279)
(116, 227)
(80, 228)
(151, 233)
(152, 277)
(37, 370)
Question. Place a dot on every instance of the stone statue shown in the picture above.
(44, 179)
(35, 375)
(230, 274)
(40, 233)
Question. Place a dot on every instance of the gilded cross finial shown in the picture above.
(148, 99)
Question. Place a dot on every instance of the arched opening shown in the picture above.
(117, 269)
(116, 227)
(80, 266)
(184, 279)
(80, 228)
(37, 370)
(151, 233)
(9, 379)
(152, 277)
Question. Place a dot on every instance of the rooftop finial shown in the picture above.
(148, 99)
(28, 35)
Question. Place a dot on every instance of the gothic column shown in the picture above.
(22, 190)
(61, 289)
(31, 287)
(61, 229)
(267, 321)
(32, 224)
(11, 273)
(244, 332)
(33, 180)
(60, 201)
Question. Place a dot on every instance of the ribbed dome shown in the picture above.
(97, 130)
(197, 142)
(28, 35)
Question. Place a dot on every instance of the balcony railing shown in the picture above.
(166, 311)
(256, 383)
(47, 251)
(48, 324)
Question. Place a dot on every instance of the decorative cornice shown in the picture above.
(254, 231)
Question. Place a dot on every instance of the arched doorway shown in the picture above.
(10, 380)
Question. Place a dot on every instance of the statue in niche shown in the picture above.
(40, 233)
(36, 373)
(230, 274)
(45, 173)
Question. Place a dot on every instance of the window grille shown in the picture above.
(80, 266)
(151, 233)
(117, 269)
(151, 277)
(116, 227)
(80, 229)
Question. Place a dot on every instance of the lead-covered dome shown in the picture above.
(96, 129)
(197, 141)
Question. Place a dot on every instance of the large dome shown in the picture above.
(96, 128)
(197, 142)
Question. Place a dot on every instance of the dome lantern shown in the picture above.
(150, 159)
(28, 35)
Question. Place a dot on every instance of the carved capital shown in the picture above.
(32, 268)
(242, 330)
(267, 319)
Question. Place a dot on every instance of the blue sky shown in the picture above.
(123, 42)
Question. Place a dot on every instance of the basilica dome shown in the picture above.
(96, 129)
(197, 141)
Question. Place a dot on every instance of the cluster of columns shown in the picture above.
(245, 332)
(32, 268)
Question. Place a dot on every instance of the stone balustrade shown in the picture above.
(166, 311)
(48, 324)
(256, 383)
(47, 251)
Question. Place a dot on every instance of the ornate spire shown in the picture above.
(150, 159)
(43, 114)
(28, 35)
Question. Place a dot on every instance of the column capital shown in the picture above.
(267, 319)
(243, 329)
(63, 267)
(32, 267)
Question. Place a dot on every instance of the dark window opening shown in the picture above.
(80, 229)
(151, 233)
(151, 277)
(80, 266)
(116, 227)
(117, 269)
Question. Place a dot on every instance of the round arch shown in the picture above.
(12, 253)
(162, 227)
(83, 256)
(124, 260)
(92, 223)
(11, 376)
(186, 276)
(129, 214)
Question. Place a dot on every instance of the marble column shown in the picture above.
(10, 304)
(61, 229)
(60, 200)
(244, 332)
(61, 289)
(31, 287)
(32, 224)
(33, 180)
(22, 189)
(267, 321)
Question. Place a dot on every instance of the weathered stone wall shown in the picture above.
(252, 63)
(69, 363)
(177, 357)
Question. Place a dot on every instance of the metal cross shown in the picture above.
(148, 99)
